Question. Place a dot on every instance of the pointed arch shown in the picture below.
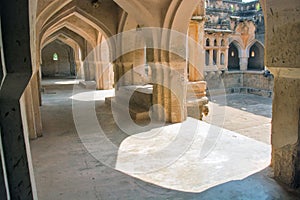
(58, 59)
(70, 35)
(256, 57)
(234, 53)
(238, 45)
(79, 53)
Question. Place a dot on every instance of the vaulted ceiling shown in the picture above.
(86, 22)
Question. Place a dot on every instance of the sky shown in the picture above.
(247, 0)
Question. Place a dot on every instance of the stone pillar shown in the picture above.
(126, 65)
(103, 67)
(118, 72)
(89, 65)
(16, 52)
(282, 28)
(103, 78)
(3, 177)
(177, 79)
(243, 63)
(285, 128)
(218, 58)
(226, 57)
(178, 95)
(34, 84)
(86, 68)
(99, 75)
(169, 73)
(211, 57)
(127, 72)
(160, 93)
(131, 64)
(28, 112)
(14, 148)
(197, 34)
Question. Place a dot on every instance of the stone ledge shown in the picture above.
(196, 108)
(88, 84)
(136, 113)
(240, 90)
(245, 72)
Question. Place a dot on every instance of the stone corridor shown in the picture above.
(64, 169)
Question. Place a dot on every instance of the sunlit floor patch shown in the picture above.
(93, 95)
(66, 82)
(230, 157)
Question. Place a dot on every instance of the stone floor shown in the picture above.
(191, 160)
(249, 115)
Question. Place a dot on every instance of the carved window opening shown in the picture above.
(207, 42)
(233, 58)
(256, 57)
(222, 43)
(55, 57)
(222, 59)
(215, 56)
(207, 57)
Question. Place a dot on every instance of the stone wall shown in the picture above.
(64, 66)
(244, 82)
(219, 14)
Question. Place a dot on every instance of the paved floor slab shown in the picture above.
(234, 167)
(249, 115)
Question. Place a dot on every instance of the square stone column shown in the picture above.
(282, 59)
(15, 29)
(286, 129)
(243, 63)
(169, 75)
(226, 57)
(196, 33)
(211, 57)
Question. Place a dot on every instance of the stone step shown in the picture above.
(199, 102)
(140, 96)
(136, 113)
(88, 84)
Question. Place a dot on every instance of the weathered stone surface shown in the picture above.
(197, 108)
(3, 193)
(282, 34)
(95, 21)
(286, 164)
(98, 180)
(196, 89)
(239, 82)
(64, 65)
(13, 138)
(285, 130)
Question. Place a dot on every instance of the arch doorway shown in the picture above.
(233, 58)
(58, 60)
(256, 57)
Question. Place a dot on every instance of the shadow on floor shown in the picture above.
(257, 186)
(65, 170)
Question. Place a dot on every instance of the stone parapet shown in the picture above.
(244, 82)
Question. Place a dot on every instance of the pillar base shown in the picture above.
(287, 165)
